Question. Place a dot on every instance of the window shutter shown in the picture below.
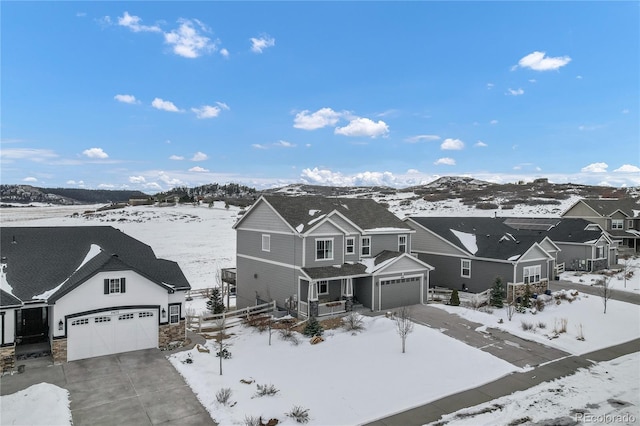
(122, 287)
(106, 286)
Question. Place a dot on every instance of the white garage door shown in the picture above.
(111, 332)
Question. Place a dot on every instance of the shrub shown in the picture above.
(455, 299)
(266, 390)
(224, 353)
(580, 335)
(252, 421)
(313, 328)
(526, 326)
(353, 322)
(497, 293)
(542, 325)
(223, 395)
(299, 414)
(539, 304)
(288, 335)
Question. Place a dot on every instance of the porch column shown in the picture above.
(347, 293)
(312, 298)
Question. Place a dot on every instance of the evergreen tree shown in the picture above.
(497, 293)
(215, 303)
(455, 299)
(313, 328)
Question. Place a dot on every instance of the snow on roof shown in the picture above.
(4, 284)
(311, 222)
(467, 240)
(370, 264)
(384, 230)
(300, 227)
(516, 257)
(314, 212)
(94, 250)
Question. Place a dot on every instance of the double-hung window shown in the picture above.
(617, 223)
(174, 314)
(350, 245)
(365, 246)
(324, 249)
(402, 243)
(531, 274)
(114, 285)
(465, 268)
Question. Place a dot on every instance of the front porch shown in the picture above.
(325, 297)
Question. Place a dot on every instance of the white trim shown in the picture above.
(462, 268)
(536, 268)
(326, 219)
(325, 251)
(266, 238)
(617, 221)
(250, 210)
(406, 243)
(346, 245)
(271, 262)
(320, 283)
(262, 231)
(172, 314)
(378, 231)
(362, 246)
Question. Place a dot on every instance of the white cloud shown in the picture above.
(37, 155)
(259, 146)
(224, 53)
(625, 111)
(493, 122)
(322, 118)
(133, 23)
(261, 43)
(420, 138)
(490, 86)
(452, 144)
(446, 161)
(516, 92)
(106, 186)
(95, 153)
(318, 176)
(590, 127)
(284, 144)
(222, 105)
(127, 99)
(578, 77)
(30, 179)
(595, 168)
(206, 111)
(480, 144)
(187, 41)
(137, 179)
(176, 157)
(361, 126)
(628, 168)
(163, 105)
(199, 156)
(533, 80)
(538, 61)
(198, 169)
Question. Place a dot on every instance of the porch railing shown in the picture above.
(330, 308)
(303, 308)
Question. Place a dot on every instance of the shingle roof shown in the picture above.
(344, 270)
(500, 238)
(40, 259)
(8, 300)
(605, 207)
(365, 213)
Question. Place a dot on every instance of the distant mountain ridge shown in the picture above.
(469, 191)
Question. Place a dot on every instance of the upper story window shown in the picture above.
(174, 314)
(266, 242)
(617, 223)
(402, 243)
(114, 285)
(465, 268)
(365, 246)
(531, 274)
(324, 249)
(630, 224)
(350, 245)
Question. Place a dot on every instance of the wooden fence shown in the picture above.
(226, 320)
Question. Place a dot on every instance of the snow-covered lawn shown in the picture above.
(606, 393)
(585, 315)
(617, 282)
(41, 404)
(347, 379)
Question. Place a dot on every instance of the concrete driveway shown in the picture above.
(133, 388)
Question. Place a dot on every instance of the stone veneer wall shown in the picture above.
(537, 288)
(8, 358)
(168, 333)
(59, 350)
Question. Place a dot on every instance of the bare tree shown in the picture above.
(627, 268)
(605, 290)
(404, 324)
(511, 308)
(221, 347)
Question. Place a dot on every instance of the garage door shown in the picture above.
(399, 292)
(111, 332)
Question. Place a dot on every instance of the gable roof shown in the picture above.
(566, 230)
(42, 259)
(606, 207)
(304, 212)
(7, 300)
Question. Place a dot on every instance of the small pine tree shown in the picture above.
(313, 328)
(455, 299)
(526, 298)
(215, 303)
(497, 293)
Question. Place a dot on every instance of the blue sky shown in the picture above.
(152, 95)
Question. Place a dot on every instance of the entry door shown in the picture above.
(32, 324)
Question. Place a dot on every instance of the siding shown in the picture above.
(382, 242)
(284, 248)
(574, 256)
(544, 270)
(580, 210)
(344, 224)
(362, 291)
(406, 265)
(427, 242)
(534, 254)
(262, 217)
(265, 281)
(310, 252)
(483, 273)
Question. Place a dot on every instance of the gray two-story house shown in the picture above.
(619, 218)
(317, 256)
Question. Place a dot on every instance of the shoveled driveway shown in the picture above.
(133, 388)
(506, 346)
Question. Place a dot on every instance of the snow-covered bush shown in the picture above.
(224, 395)
(299, 414)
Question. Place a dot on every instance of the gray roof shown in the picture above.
(349, 269)
(7, 300)
(500, 238)
(365, 213)
(605, 207)
(41, 258)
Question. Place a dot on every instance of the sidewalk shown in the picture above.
(622, 296)
(514, 382)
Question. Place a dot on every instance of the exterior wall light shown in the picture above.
(164, 313)
(60, 325)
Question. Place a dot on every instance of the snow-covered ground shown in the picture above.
(347, 379)
(631, 268)
(584, 315)
(41, 404)
(606, 393)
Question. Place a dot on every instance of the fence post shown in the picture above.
(199, 324)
